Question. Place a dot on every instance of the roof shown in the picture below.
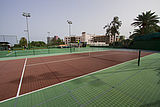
(99, 36)
(4, 43)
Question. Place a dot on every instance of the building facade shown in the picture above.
(91, 39)
(51, 39)
(5, 46)
(99, 38)
(111, 39)
(72, 39)
(84, 38)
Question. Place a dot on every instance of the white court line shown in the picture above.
(19, 88)
(69, 80)
(68, 59)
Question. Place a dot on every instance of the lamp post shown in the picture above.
(3, 38)
(48, 34)
(48, 38)
(27, 15)
(69, 22)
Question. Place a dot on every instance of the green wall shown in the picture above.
(147, 45)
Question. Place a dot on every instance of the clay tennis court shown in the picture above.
(41, 72)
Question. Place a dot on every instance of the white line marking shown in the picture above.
(79, 77)
(19, 88)
(70, 80)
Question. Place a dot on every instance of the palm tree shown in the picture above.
(23, 41)
(136, 32)
(113, 27)
(108, 31)
(147, 23)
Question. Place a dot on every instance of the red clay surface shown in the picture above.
(41, 72)
(10, 73)
(46, 71)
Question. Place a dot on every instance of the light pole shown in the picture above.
(27, 15)
(3, 38)
(48, 34)
(48, 38)
(69, 22)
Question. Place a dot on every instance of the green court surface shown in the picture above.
(124, 85)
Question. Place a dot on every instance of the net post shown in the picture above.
(139, 57)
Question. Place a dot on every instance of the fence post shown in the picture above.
(74, 49)
(15, 53)
(70, 49)
(33, 51)
(48, 51)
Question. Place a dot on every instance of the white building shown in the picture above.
(84, 38)
(90, 39)
(69, 39)
(49, 39)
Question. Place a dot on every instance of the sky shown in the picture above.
(86, 15)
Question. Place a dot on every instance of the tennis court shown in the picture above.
(100, 78)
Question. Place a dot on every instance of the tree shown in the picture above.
(59, 41)
(146, 23)
(113, 28)
(55, 41)
(38, 43)
(108, 30)
(115, 25)
(136, 32)
(23, 42)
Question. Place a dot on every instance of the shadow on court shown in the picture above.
(153, 104)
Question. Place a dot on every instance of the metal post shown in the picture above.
(28, 33)
(70, 48)
(89, 51)
(70, 35)
(48, 38)
(139, 57)
(15, 53)
(16, 39)
(69, 29)
(33, 51)
(70, 22)
(4, 38)
(48, 51)
(27, 15)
